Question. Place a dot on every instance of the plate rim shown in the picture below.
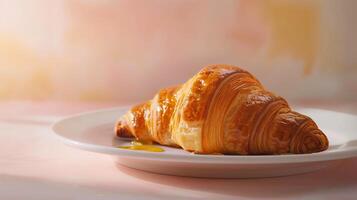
(200, 158)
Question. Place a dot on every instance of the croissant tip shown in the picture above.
(312, 142)
(122, 130)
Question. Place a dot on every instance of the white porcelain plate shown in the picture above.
(94, 132)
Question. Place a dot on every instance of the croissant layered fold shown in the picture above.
(222, 109)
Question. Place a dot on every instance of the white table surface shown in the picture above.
(34, 164)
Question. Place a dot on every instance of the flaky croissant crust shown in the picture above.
(222, 109)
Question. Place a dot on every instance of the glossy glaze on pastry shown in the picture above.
(222, 109)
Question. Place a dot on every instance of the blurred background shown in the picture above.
(123, 51)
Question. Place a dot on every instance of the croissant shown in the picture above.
(223, 109)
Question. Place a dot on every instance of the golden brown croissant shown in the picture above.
(222, 109)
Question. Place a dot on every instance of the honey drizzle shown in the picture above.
(140, 146)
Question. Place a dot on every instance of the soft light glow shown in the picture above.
(126, 50)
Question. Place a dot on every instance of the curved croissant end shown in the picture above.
(309, 139)
(222, 109)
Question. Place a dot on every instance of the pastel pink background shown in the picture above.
(123, 51)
